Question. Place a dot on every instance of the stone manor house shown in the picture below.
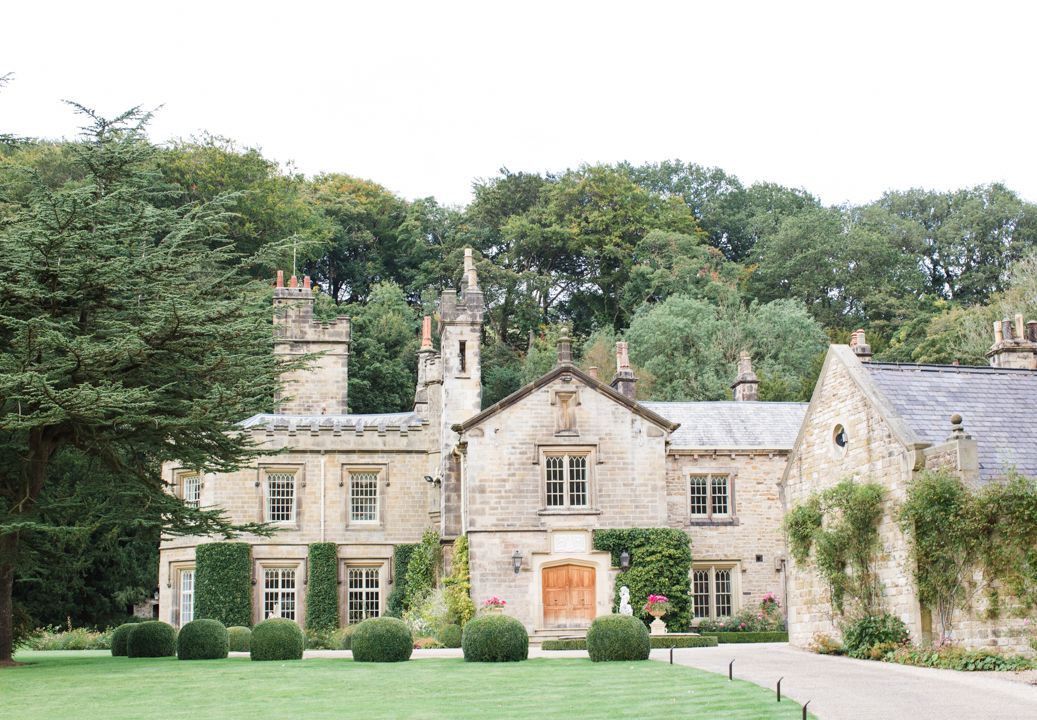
(529, 478)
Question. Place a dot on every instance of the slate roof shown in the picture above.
(732, 425)
(998, 407)
(333, 422)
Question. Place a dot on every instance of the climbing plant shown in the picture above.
(963, 540)
(460, 607)
(838, 529)
(223, 583)
(423, 568)
(401, 555)
(660, 564)
(322, 588)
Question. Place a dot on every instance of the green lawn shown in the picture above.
(88, 685)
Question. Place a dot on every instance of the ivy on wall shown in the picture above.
(954, 531)
(660, 564)
(223, 583)
(838, 529)
(395, 604)
(322, 588)
(460, 607)
(423, 568)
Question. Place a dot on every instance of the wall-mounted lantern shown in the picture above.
(624, 561)
(516, 562)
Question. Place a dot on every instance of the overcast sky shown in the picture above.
(843, 99)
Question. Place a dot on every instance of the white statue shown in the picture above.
(624, 601)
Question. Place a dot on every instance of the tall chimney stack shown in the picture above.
(565, 347)
(624, 381)
(860, 346)
(746, 385)
(1015, 344)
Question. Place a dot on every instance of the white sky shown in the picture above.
(845, 99)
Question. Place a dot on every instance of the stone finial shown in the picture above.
(624, 381)
(565, 347)
(957, 429)
(426, 334)
(859, 345)
(746, 385)
(280, 278)
(469, 270)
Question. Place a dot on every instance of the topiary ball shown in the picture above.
(383, 639)
(618, 637)
(277, 639)
(238, 638)
(202, 640)
(153, 638)
(450, 636)
(494, 638)
(119, 637)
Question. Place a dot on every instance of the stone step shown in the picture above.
(539, 636)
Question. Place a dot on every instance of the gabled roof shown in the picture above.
(732, 425)
(559, 370)
(998, 407)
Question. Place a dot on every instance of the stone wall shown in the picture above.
(755, 526)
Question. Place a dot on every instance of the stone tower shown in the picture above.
(460, 333)
(322, 388)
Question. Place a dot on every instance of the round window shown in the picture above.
(839, 437)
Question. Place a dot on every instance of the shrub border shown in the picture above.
(659, 642)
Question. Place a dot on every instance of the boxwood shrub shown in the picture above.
(223, 583)
(748, 637)
(618, 637)
(119, 637)
(450, 636)
(383, 639)
(322, 590)
(239, 638)
(202, 640)
(345, 637)
(276, 639)
(494, 638)
(860, 636)
(151, 639)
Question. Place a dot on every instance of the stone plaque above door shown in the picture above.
(569, 542)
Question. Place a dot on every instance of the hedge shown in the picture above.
(660, 564)
(494, 638)
(382, 639)
(239, 638)
(450, 636)
(151, 639)
(119, 637)
(277, 639)
(658, 642)
(748, 637)
(396, 602)
(223, 583)
(322, 590)
(618, 637)
(202, 640)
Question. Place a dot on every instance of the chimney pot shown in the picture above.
(1031, 331)
(746, 385)
(306, 282)
(293, 282)
(999, 336)
(1020, 331)
(593, 371)
(624, 381)
(565, 348)
(859, 345)
(280, 278)
(426, 333)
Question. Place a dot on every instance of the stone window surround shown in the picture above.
(383, 582)
(735, 566)
(379, 468)
(299, 470)
(173, 582)
(259, 586)
(591, 451)
(180, 474)
(731, 518)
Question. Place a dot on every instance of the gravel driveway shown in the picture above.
(844, 689)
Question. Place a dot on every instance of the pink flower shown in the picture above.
(494, 602)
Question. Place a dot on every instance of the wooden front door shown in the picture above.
(568, 596)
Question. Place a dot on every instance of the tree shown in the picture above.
(383, 357)
(123, 336)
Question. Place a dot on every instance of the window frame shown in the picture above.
(734, 591)
(297, 487)
(567, 452)
(709, 474)
(381, 473)
(176, 571)
(298, 580)
(379, 569)
(180, 477)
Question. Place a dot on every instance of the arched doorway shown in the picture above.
(568, 595)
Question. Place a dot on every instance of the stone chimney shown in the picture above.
(860, 345)
(593, 372)
(746, 384)
(1015, 344)
(624, 381)
(565, 347)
